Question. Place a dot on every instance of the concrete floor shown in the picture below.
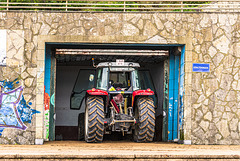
(118, 150)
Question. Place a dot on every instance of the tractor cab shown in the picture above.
(117, 78)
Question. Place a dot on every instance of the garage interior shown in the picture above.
(71, 58)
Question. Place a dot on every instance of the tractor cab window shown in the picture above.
(145, 80)
(135, 80)
(102, 76)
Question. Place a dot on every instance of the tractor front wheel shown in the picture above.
(145, 112)
(94, 119)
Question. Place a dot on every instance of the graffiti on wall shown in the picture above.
(46, 113)
(14, 110)
(47, 102)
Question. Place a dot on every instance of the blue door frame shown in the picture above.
(175, 95)
(49, 95)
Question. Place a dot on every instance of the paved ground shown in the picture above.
(118, 150)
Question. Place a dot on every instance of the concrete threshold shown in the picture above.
(118, 150)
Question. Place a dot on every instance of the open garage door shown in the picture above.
(70, 61)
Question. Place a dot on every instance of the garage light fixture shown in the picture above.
(112, 52)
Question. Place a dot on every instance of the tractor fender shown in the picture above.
(147, 92)
(101, 93)
(98, 92)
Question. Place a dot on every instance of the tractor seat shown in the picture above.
(118, 85)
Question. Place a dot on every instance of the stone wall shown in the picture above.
(211, 101)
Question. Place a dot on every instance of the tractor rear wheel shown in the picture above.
(145, 112)
(94, 119)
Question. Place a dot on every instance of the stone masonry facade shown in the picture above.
(211, 100)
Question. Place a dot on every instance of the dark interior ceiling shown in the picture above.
(87, 59)
(76, 59)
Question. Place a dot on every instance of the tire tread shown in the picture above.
(95, 119)
(146, 125)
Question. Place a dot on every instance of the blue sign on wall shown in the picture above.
(200, 67)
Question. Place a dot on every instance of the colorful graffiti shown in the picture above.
(47, 94)
(14, 110)
(46, 113)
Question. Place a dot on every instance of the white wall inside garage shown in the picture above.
(66, 77)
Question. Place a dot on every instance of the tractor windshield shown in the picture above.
(120, 80)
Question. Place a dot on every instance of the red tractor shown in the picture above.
(117, 101)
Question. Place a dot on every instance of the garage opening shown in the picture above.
(72, 65)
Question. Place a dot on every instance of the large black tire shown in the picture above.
(145, 128)
(94, 119)
(81, 126)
